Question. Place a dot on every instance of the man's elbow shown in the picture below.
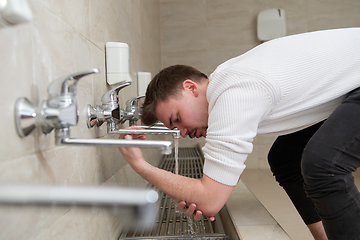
(211, 210)
(214, 196)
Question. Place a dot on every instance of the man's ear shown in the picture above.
(191, 86)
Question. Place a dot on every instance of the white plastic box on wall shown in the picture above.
(144, 79)
(13, 12)
(271, 23)
(117, 63)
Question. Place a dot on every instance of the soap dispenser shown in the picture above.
(117, 63)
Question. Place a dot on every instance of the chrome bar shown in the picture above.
(163, 210)
(138, 206)
(165, 146)
(167, 219)
(147, 130)
(78, 196)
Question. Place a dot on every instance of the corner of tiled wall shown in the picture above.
(66, 37)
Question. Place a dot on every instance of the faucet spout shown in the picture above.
(63, 138)
(147, 130)
(67, 85)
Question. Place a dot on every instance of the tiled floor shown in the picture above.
(266, 190)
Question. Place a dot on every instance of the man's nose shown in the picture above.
(183, 134)
(183, 131)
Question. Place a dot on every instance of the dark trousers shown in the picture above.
(322, 158)
(285, 162)
(329, 159)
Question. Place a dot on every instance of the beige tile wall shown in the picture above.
(205, 33)
(65, 37)
(69, 36)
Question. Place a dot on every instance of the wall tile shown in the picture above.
(332, 14)
(150, 32)
(183, 30)
(60, 40)
(22, 170)
(77, 224)
(17, 77)
(18, 222)
(110, 22)
(74, 13)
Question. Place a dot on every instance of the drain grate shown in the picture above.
(172, 224)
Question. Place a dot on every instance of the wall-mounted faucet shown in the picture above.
(60, 112)
(112, 114)
(110, 110)
(132, 110)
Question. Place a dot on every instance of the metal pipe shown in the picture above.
(62, 137)
(175, 133)
(79, 196)
(165, 146)
(139, 205)
(146, 130)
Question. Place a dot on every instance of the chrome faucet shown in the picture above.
(111, 113)
(132, 110)
(60, 112)
(110, 110)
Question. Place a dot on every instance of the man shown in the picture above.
(287, 87)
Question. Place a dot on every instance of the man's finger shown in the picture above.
(198, 215)
(181, 205)
(190, 211)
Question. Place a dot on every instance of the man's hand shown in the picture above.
(134, 154)
(208, 194)
(191, 210)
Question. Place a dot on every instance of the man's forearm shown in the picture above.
(208, 195)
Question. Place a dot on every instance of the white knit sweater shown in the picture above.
(279, 87)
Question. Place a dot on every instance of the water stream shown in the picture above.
(176, 141)
(193, 229)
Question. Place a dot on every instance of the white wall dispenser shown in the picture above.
(13, 12)
(117, 63)
(271, 23)
(144, 79)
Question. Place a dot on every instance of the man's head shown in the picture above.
(171, 89)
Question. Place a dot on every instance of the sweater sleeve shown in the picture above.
(237, 103)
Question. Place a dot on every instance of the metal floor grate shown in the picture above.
(172, 224)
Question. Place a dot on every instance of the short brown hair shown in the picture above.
(167, 83)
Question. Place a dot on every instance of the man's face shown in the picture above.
(187, 112)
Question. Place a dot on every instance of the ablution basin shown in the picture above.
(173, 224)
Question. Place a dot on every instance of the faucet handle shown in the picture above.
(65, 86)
(112, 95)
(109, 111)
(132, 112)
(132, 104)
(56, 112)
